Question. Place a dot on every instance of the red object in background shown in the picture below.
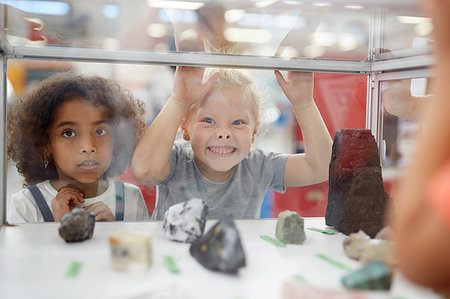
(148, 192)
(341, 99)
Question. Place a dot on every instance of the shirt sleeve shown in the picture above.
(268, 168)
(438, 193)
(22, 209)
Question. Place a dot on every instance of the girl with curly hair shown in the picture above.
(69, 137)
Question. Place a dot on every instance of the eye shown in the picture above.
(208, 120)
(101, 131)
(69, 133)
(238, 122)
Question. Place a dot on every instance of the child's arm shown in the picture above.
(311, 167)
(68, 197)
(150, 162)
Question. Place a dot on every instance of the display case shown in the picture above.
(353, 49)
(365, 55)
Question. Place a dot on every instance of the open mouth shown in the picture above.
(222, 150)
(88, 165)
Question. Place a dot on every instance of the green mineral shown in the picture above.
(290, 228)
(374, 276)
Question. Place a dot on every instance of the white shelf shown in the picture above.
(34, 260)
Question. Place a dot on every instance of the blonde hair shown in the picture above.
(237, 78)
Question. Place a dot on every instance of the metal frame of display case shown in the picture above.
(412, 63)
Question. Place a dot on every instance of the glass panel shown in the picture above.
(408, 34)
(313, 29)
(404, 103)
(340, 100)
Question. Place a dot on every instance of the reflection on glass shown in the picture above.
(264, 28)
(340, 101)
(69, 136)
(404, 102)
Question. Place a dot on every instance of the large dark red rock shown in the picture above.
(356, 196)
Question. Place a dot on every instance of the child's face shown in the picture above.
(221, 131)
(81, 141)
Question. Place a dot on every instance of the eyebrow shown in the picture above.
(71, 123)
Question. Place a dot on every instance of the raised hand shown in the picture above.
(189, 87)
(298, 86)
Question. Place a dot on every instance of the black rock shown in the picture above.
(77, 225)
(220, 248)
(356, 196)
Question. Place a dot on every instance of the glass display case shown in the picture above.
(357, 50)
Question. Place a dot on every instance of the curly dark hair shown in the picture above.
(31, 116)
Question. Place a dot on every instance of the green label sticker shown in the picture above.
(299, 278)
(74, 269)
(170, 264)
(328, 231)
(332, 262)
(273, 241)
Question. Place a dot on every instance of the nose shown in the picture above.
(224, 134)
(87, 146)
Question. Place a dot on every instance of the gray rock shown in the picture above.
(356, 196)
(77, 225)
(220, 249)
(290, 228)
(185, 222)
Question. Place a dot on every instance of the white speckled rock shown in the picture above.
(185, 222)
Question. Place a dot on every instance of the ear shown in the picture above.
(255, 131)
(46, 151)
(184, 130)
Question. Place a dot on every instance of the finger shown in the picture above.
(211, 80)
(280, 79)
(93, 206)
(71, 195)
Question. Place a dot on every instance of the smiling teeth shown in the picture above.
(222, 150)
(88, 164)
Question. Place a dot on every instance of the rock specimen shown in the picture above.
(374, 276)
(360, 246)
(220, 248)
(185, 222)
(290, 228)
(77, 225)
(128, 246)
(356, 196)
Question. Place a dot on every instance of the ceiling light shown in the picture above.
(157, 30)
(175, 4)
(265, 3)
(234, 15)
(54, 8)
(412, 20)
(258, 36)
(354, 6)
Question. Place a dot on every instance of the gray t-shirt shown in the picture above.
(241, 195)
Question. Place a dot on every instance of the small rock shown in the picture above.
(77, 225)
(128, 246)
(374, 276)
(185, 222)
(290, 228)
(220, 249)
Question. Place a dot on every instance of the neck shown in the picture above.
(89, 189)
(212, 175)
